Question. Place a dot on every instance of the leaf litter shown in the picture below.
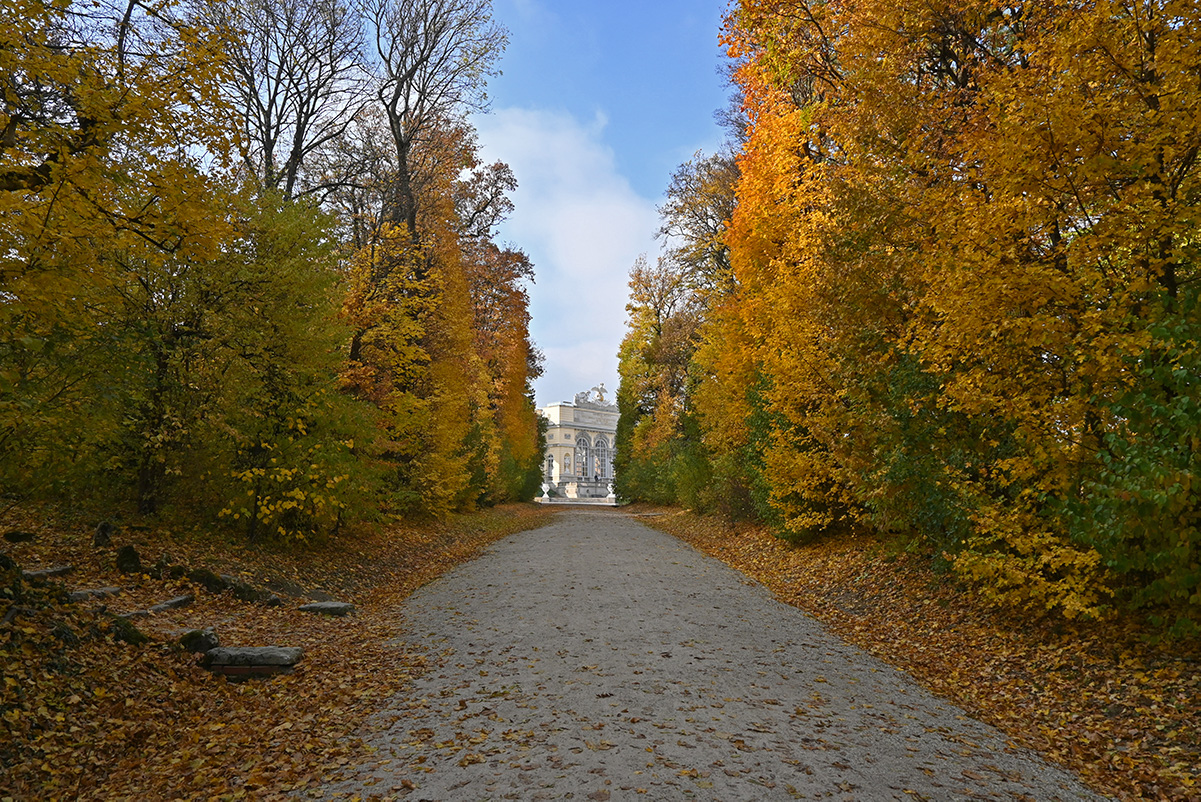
(1098, 698)
(85, 715)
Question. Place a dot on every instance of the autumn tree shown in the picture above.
(172, 336)
(432, 61)
(444, 326)
(100, 106)
(297, 81)
(509, 451)
(959, 231)
(211, 299)
(660, 455)
(664, 312)
(699, 204)
(439, 310)
(233, 402)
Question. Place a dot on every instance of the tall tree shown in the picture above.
(172, 332)
(460, 402)
(961, 232)
(111, 143)
(664, 312)
(433, 59)
(659, 449)
(297, 83)
(700, 202)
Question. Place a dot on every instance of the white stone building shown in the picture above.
(579, 445)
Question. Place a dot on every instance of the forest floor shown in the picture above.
(1098, 698)
(85, 715)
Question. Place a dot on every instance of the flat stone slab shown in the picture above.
(47, 573)
(94, 593)
(250, 661)
(253, 656)
(162, 607)
(171, 604)
(328, 608)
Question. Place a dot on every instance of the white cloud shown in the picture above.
(583, 227)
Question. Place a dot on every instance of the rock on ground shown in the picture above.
(253, 656)
(599, 659)
(200, 641)
(162, 607)
(245, 662)
(48, 573)
(328, 608)
(92, 594)
(128, 560)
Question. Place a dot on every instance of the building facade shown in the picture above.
(580, 438)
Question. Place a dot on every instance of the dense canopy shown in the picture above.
(248, 264)
(954, 298)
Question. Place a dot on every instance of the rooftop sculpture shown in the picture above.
(594, 396)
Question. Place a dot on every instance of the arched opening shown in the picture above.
(603, 458)
(583, 458)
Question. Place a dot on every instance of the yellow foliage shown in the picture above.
(956, 229)
(1016, 562)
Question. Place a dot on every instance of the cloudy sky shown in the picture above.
(600, 100)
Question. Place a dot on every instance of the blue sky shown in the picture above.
(598, 103)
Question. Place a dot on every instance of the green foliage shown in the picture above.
(527, 474)
(271, 432)
(922, 453)
(642, 467)
(692, 470)
(191, 380)
(304, 480)
(745, 472)
(1142, 509)
(174, 339)
(98, 191)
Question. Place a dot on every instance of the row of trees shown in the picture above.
(248, 262)
(946, 286)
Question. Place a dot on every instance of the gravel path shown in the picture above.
(598, 659)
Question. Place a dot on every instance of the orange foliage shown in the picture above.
(958, 229)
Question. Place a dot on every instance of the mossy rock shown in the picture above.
(200, 641)
(208, 580)
(124, 630)
(128, 560)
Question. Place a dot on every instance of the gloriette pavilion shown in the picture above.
(579, 445)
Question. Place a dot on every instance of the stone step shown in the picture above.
(47, 573)
(162, 607)
(250, 661)
(328, 608)
(95, 593)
